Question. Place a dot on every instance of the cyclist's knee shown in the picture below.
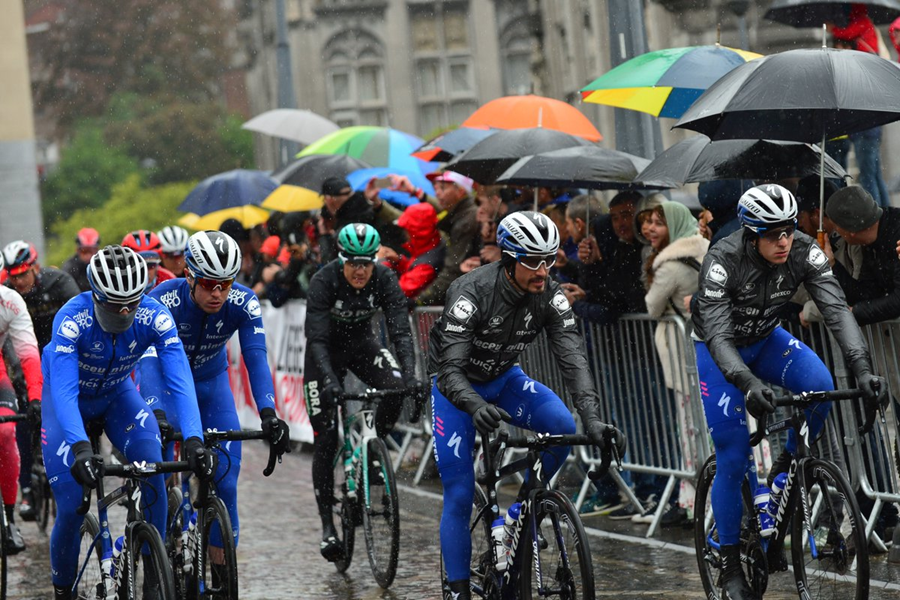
(732, 442)
(459, 486)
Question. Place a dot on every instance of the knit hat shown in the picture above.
(808, 192)
(853, 208)
(333, 186)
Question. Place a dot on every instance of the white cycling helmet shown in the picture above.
(213, 255)
(766, 207)
(527, 233)
(117, 274)
(174, 239)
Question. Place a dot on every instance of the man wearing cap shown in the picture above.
(458, 224)
(875, 295)
(343, 206)
(87, 242)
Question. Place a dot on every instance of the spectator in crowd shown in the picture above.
(720, 198)
(235, 229)
(342, 206)
(808, 203)
(285, 283)
(87, 243)
(579, 212)
(422, 256)
(894, 32)
(173, 241)
(860, 34)
(459, 227)
(677, 251)
(875, 295)
(492, 207)
(642, 213)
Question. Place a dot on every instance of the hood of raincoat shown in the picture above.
(420, 222)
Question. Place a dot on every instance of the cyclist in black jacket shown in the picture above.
(746, 281)
(492, 314)
(343, 297)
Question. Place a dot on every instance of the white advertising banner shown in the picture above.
(286, 349)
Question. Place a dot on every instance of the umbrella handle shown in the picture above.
(820, 237)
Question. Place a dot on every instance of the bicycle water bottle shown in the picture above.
(350, 477)
(761, 504)
(116, 552)
(775, 497)
(497, 531)
(509, 526)
(189, 541)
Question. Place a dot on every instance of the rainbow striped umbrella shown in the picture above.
(666, 82)
(378, 146)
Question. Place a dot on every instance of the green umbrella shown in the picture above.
(666, 82)
(378, 146)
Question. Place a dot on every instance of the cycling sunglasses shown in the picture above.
(173, 254)
(775, 235)
(535, 262)
(119, 307)
(360, 263)
(211, 285)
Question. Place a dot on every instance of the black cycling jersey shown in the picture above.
(485, 326)
(338, 316)
(740, 297)
(52, 288)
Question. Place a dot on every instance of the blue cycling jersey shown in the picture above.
(83, 362)
(204, 336)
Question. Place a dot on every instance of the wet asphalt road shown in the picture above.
(279, 556)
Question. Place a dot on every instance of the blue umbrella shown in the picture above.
(231, 189)
(359, 179)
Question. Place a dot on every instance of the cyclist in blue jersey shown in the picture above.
(492, 314)
(208, 307)
(746, 280)
(98, 337)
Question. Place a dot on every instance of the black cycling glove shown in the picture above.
(873, 389)
(278, 431)
(201, 460)
(34, 412)
(166, 430)
(419, 392)
(488, 417)
(84, 468)
(758, 398)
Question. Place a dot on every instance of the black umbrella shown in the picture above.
(697, 159)
(312, 170)
(452, 143)
(580, 166)
(813, 13)
(799, 95)
(488, 159)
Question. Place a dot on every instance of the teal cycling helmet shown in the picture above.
(358, 241)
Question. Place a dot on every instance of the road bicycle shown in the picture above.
(369, 497)
(203, 570)
(135, 565)
(817, 518)
(549, 554)
(4, 525)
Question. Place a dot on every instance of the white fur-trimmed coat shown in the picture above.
(673, 280)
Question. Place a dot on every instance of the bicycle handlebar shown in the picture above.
(131, 470)
(13, 418)
(805, 399)
(236, 435)
(371, 395)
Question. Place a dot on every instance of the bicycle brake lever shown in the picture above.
(273, 456)
(85, 505)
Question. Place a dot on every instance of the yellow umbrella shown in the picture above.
(248, 215)
(292, 198)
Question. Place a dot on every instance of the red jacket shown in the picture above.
(425, 246)
(860, 29)
(894, 32)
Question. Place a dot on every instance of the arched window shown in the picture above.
(354, 65)
(516, 45)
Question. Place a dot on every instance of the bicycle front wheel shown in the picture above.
(174, 546)
(831, 558)
(347, 510)
(381, 513)
(147, 571)
(216, 563)
(562, 567)
(90, 550)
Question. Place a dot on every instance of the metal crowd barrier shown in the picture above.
(666, 426)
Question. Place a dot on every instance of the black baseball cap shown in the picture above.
(334, 186)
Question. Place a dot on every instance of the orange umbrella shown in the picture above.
(521, 112)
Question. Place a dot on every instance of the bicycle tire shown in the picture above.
(845, 552)
(563, 531)
(141, 568)
(174, 546)
(214, 514)
(709, 562)
(347, 511)
(86, 586)
(381, 514)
